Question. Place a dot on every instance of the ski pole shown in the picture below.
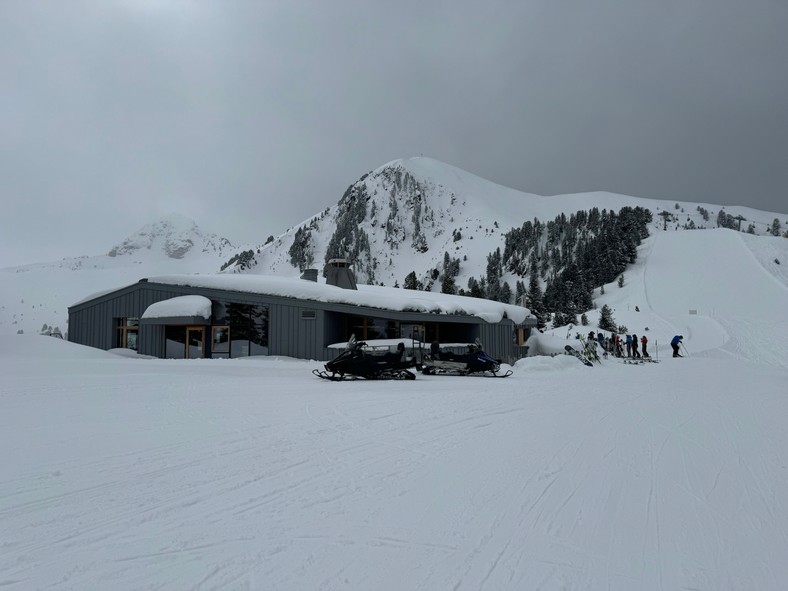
(685, 349)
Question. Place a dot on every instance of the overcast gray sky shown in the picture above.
(250, 116)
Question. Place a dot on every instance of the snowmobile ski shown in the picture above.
(398, 374)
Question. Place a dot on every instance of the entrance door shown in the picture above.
(195, 342)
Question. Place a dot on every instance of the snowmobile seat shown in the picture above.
(396, 355)
(435, 350)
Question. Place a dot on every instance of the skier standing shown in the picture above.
(635, 352)
(675, 342)
(644, 342)
(619, 350)
(629, 345)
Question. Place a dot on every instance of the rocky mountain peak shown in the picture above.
(174, 235)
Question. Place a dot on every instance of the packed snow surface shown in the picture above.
(253, 474)
(126, 473)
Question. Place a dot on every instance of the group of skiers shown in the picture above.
(620, 347)
(627, 346)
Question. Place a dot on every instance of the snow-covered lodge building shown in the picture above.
(222, 316)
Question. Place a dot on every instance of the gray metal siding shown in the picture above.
(498, 340)
(92, 322)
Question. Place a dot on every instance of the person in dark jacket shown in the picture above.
(675, 342)
(635, 352)
(644, 342)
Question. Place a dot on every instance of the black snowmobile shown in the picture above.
(475, 361)
(355, 363)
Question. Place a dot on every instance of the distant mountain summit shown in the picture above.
(418, 216)
(175, 236)
(35, 298)
(415, 222)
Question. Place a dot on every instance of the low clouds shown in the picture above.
(249, 117)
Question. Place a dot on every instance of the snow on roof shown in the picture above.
(191, 305)
(98, 294)
(372, 296)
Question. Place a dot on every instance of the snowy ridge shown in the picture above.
(175, 236)
(405, 215)
(414, 212)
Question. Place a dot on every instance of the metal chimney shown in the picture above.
(341, 274)
(309, 275)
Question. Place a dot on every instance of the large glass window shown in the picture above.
(184, 342)
(245, 333)
(220, 341)
(174, 342)
(127, 330)
(367, 328)
(411, 331)
(195, 337)
(258, 330)
(219, 312)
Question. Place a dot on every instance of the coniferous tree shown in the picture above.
(519, 292)
(411, 282)
(301, 254)
(534, 298)
(606, 321)
(506, 293)
(474, 288)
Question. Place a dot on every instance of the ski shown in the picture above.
(572, 351)
(588, 350)
(401, 374)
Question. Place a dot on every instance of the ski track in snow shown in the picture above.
(246, 475)
(253, 474)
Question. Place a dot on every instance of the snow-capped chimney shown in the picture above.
(340, 273)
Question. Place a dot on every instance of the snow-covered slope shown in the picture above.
(723, 290)
(34, 295)
(405, 215)
(400, 218)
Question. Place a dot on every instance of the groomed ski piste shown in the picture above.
(126, 473)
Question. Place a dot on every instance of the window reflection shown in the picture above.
(174, 342)
(126, 333)
(245, 333)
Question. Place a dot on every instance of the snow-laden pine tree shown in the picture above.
(606, 321)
